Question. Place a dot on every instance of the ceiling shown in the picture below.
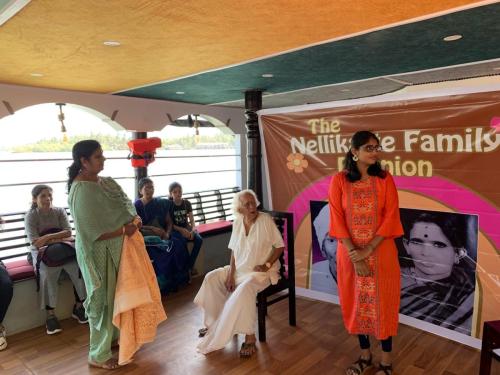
(210, 52)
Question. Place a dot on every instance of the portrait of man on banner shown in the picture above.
(438, 255)
(324, 250)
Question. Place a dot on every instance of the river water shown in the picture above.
(194, 169)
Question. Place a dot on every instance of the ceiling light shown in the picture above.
(268, 75)
(61, 119)
(36, 74)
(180, 92)
(111, 43)
(451, 38)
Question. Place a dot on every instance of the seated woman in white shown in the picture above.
(228, 294)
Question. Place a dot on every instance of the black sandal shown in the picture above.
(202, 332)
(360, 366)
(386, 369)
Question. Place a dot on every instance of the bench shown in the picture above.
(13, 238)
(212, 211)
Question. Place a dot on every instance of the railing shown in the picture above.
(121, 177)
(208, 206)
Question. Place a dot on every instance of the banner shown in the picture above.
(444, 155)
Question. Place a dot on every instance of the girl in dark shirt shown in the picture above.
(181, 212)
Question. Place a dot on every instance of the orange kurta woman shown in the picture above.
(365, 219)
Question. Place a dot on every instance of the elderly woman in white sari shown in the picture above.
(228, 294)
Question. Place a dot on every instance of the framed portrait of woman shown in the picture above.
(324, 250)
(438, 255)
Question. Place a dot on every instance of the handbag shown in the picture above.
(57, 254)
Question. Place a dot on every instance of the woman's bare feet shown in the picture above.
(110, 364)
(248, 348)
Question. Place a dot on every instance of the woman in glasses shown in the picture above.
(438, 284)
(364, 217)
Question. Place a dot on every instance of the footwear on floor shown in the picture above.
(202, 332)
(384, 369)
(53, 325)
(79, 314)
(360, 366)
(110, 364)
(3, 339)
(247, 349)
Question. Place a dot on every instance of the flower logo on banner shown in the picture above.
(495, 124)
(296, 162)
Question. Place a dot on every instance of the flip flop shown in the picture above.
(202, 332)
(247, 349)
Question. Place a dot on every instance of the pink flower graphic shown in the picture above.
(495, 124)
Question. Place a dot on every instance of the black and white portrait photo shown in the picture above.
(324, 250)
(438, 255)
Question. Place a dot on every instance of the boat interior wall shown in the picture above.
(134, 114)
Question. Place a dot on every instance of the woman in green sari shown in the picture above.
(103, 215)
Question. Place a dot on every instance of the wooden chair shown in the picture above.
(284, 222)
(490, 342)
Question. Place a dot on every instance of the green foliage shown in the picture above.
(119, 142)
(108, 143)
(189, 142)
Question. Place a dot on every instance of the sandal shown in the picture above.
(386, 369)
(359, 367)
(202, 332)
(110, 364)
(247, 349)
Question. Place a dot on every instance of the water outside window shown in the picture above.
(33, 150)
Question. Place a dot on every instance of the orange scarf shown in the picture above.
(138, 309)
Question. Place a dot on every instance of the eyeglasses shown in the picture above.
(371, 148)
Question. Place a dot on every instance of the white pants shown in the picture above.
(49, 281)
(225, 313)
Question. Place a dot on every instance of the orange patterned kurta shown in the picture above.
(360, 211)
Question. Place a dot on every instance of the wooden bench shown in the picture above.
(13, 237)
(212, 211)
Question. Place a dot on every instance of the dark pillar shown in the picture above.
(140, 172)
(253, 102)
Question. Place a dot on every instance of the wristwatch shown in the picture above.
(268, 265)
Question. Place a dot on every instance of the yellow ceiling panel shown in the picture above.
(162, 40)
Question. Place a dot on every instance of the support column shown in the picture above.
(140, 172)
(253, 102)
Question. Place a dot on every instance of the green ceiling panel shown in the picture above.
(407, 48)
